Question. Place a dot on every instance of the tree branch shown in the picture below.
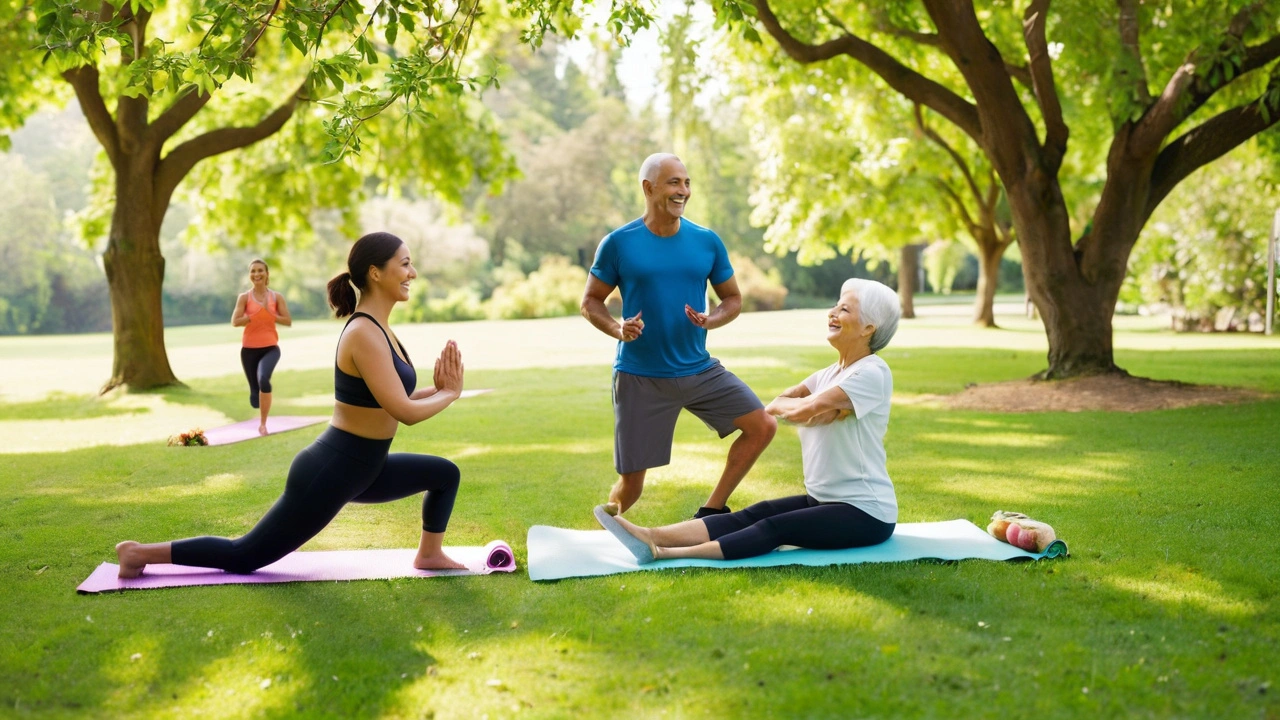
(1056, 132)
(84, 80)
(131, 112)
(177, 115)
(1189, 89)
(1240, 21)
(183, 158)
(965, 217)
(1018, 72)
(1009, 137)
(1129, 26)
(910, 83)
(955, 156)
(1203, 144)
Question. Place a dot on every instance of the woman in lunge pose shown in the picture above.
(374, 389)
(842, 412)
(258, 311)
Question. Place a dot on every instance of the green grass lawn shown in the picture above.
(1167, 607)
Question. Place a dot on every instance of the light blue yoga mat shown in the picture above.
(556, 553)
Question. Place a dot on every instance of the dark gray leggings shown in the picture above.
(336, 469)
(259, 364)
(797, 520)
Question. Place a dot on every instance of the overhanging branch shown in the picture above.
(178, 163)
(906, 81)
(1191, 85)
(1203, 144)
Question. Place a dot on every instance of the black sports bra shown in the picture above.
(352, 390)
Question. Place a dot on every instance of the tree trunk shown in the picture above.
(908, 271)
(989, 255)
(135, 276)
(1075, 309)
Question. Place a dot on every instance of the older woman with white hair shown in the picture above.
(842, 412)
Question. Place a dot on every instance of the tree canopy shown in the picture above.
(1020, 81)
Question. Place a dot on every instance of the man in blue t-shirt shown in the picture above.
(661, 264)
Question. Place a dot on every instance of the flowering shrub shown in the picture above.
(191, 437)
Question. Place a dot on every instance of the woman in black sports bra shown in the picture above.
(375, 390)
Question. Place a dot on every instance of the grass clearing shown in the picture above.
(1169, 605)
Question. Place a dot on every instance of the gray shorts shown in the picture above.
(645, 410)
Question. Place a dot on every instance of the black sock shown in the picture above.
(705, 511)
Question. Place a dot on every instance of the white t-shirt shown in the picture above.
(844, 461)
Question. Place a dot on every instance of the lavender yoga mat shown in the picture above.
(248, 429)
(308, 567)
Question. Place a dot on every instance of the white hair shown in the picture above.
(879, 306)
(652, 164)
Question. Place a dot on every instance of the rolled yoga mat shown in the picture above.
(556, 553)
(309, 567)
(248, 429)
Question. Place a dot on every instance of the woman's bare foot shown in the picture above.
(130, 565)
(640, 533)
(438, 561)
(262, 429)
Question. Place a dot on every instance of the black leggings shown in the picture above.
(797, 520)
(258, 364)
(336, 469)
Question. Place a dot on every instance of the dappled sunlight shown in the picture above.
(256, 678)
(569, 448)
(833, 608)
(152, 421)
(754, 361)
(991, 439)
(220, 483)
(495, 675)
(909, 399)
(134, 665)
(1191, 592)
(984, 424)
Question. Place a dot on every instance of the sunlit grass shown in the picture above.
(1168, 607)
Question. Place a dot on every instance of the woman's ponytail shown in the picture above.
(342, 296)
(372, 250)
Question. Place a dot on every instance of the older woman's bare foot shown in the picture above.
(262, 429)
(640, 533)
(130, 564)
(439, 561)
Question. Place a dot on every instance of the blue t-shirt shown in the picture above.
(657, 277)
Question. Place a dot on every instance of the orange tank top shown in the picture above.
(261, 330)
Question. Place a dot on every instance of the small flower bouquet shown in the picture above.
(191, 437)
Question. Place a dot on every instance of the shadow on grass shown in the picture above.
(1166, 607)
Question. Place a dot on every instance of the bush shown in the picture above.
(1204, 253)
(553, 290)
(761, 289)
(460, 304)
(943, 261)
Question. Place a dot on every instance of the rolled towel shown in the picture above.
(1021, 531)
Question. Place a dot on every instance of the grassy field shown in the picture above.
(1168, 606)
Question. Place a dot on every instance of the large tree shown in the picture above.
(167, 86)
(1217, 86)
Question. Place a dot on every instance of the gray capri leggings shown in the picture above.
(797, 520)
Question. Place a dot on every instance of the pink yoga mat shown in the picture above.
(309, 566)
(248, 429)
